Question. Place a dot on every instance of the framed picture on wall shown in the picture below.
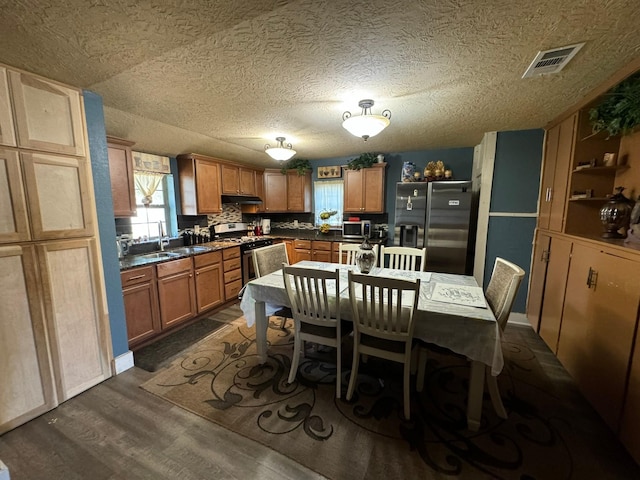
(330, 172)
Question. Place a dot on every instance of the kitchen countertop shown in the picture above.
(152, 258)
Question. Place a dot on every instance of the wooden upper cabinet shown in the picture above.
(546, 186)
(48, 115)
(121, 173)
(58, 196)
(79, 336)
(260, 190)
(247, 181)
(7, 132)
(27, 385)
(298, 192)
(364, 189)
(14, 221)
(275, 189)
(230, 175)
(199, 185)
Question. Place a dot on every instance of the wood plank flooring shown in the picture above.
(116, 430)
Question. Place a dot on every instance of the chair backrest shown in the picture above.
(313, 295)
(404, 258)
(383, 307)
(349, 250)
(502, 289)
(268, 259)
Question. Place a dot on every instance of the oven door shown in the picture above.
(248, 272)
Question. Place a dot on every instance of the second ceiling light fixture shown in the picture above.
(366, 125)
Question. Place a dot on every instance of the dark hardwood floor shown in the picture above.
(116, 430)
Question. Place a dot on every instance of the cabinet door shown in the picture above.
(564, 160)
(27, 387)
(298, 192)
(209, 287)
(58, 196)
(230, 179)
(208, 187)
(247, 181)
(7, 133)
(630, 423)
(140, 294)
(48, 115)
(122, 182)
(373, 180)
(538, 277)
(554, 291)
(260, 191)
(177, 298)
(302, 254)
(14, 222)
(598, 325)
(546, 187)
(275, 192)
(353, 191)
(322, 256)
(76, 318)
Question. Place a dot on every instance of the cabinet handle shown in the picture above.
(137, 277)
(545, 256)
(592, 278)
(191, 275)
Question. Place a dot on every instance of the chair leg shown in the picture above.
(414, 360)
(354, 371)
(297, 343)
(494, 391)
(407, 381)
(422, 368)
(339, 368)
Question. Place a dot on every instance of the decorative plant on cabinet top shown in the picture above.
(619, 111)
(301, 165)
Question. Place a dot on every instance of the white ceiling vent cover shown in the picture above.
(552, 61)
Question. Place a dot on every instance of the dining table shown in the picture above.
(450, 314)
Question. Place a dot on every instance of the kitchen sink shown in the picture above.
(157, 255)
(189, 250)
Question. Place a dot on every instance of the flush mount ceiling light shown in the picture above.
(366, 125)
(281, 152)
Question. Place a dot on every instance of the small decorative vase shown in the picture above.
(365, 257)
(380, 158)
(616, 214)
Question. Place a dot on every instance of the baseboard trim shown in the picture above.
(519, 319)
(122, 363)
(4, 472)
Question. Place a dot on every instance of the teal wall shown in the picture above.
(106, 226)
(516, 182)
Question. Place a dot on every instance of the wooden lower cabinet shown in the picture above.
(321, 251)
(232, 272)
(598, 326)
(302, 250)
(140, 294)
(176, 292)
(538, 278)
(209, 281)
(630, 423)
(27, 384)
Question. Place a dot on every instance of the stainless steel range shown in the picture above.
(237, 233)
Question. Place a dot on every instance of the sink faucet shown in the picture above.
(160, 236)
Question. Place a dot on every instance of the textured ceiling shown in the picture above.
(223, 78)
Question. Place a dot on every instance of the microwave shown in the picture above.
(356, 229)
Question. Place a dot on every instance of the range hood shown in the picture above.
(241, 199)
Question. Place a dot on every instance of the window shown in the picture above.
(145, 225)
(328, 197)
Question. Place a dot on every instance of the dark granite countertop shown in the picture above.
(306, 234)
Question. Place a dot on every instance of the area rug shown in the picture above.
(551, 432)
(160, 353)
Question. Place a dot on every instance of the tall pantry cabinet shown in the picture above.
(54, 333)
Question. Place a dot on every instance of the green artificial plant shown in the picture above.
(301, 165)
(365, 160)
(619, 111)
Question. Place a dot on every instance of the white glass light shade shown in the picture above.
(366, 126)
(281, 152)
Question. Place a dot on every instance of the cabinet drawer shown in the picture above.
(173, 267)
(232, 289)
(232, 264)
(306, 244)
(207, 259)
(228, 253)
(232, 276)
(322, 245)
(136, 276)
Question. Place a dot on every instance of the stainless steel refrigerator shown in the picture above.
(439, 216)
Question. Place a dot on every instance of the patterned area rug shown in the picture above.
(551, 432)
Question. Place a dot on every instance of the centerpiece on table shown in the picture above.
(326, 215)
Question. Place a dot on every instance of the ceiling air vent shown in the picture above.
(552, 61)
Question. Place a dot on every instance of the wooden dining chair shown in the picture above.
(347, 252)
(315, 305)
(267, 260)
(383, 322)
(404, 258)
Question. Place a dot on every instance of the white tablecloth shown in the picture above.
(469, 331)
